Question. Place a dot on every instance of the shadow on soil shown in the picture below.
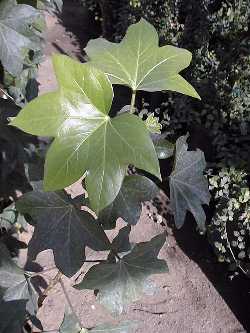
(235, 292)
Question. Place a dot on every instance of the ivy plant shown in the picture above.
(93, 148)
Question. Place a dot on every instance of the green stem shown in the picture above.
(132, 104)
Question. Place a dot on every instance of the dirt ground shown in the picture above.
(186, 300)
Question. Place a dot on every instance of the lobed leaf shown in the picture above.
(62, 227)
(87, 141)
(128, 203)
(188, 185)
(138, 61)
(123, 282)
(16, 283)
(20, 27)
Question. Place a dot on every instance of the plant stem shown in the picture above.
(132, 104)
(51, 285)
(69, 302)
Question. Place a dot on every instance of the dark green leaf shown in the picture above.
(15, 282)
(121, 241)
(62, 227)
(123, 282)
(70, 324)
(128, 203)
(164, 148)
(12, 316)
(20, 27)
(87, 141)
(138, 61)
(188, 186)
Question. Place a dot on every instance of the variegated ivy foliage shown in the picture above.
(89, 143)
(230, 227)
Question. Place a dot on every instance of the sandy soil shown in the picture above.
(186, 301)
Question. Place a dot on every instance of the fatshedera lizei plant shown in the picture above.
(89, 143)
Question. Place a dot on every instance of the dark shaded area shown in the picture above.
(235, 291)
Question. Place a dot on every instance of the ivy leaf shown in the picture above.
(87, 141)
(188, 185)
(123, 282)
(128, 203)
(62, 227)
(121, 241)
(12, 316)
(16, 283)
(153, 68)
(164, 148)
(20, 26)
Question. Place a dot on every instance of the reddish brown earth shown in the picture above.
(186, 301)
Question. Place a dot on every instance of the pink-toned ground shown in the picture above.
(186, 301)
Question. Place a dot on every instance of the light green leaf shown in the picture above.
(128, 204)
(86, 138)
(138, 61)
(62, 227)
(20, 27)
(153, 124)
(123, 282)
(188, 185)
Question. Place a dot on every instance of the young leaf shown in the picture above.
(123, 282)
(188, 186)
(121, 241)
(128, 203)
(153, 124)
(138, 61)
(16, 284)
(12, 316)
(86, 138)
(20, 26)
(62, 227)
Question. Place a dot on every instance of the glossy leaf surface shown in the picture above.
(124, 282)
(62, 227)
(128, 203)
(138, 61)
(87, 141)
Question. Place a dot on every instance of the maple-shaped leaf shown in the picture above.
(123, 282)
(20, 29)
(70, 325)
(128, 203)
(16, 282)
(138, 61)
(87, 141)
(12, 316)
(188, 185)
(62, 227)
